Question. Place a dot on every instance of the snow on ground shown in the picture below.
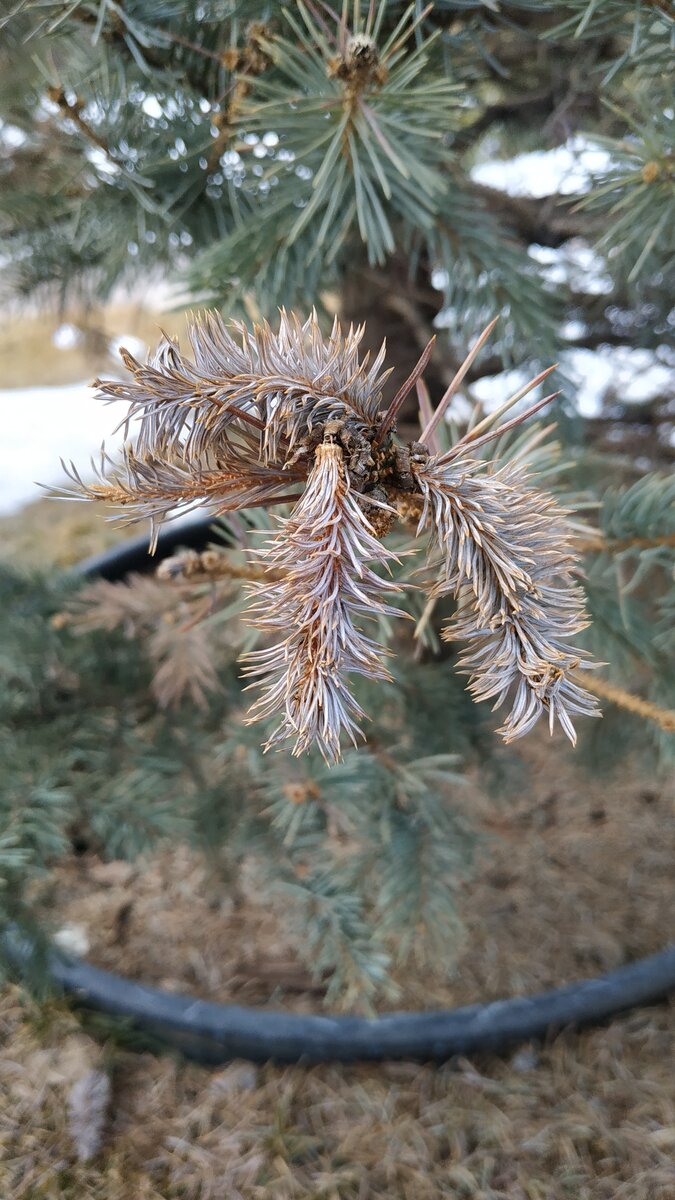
(39, 426)
(635, 376)
(565, 170)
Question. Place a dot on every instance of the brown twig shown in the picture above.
(617, 545)
(72, 110)
(211, 565)
(245, 62)
(663, 717)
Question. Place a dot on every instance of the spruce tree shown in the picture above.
(263, 157)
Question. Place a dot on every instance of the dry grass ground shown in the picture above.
(68, 533)
(576, 878)
(591, 1117)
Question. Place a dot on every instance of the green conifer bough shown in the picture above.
(314, 157)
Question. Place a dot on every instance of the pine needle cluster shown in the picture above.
(245, 420)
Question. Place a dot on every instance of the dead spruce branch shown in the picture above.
(261, 417)
(323, 550)
(504, 558)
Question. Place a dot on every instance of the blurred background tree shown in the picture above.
(255, 155)
(259, 155)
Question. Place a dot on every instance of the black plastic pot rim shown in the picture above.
(132, 554)
(217, 1033)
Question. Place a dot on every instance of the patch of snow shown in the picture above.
(40, 426)
(152, 108)
(493, 390)
(572, 330)
(66, 336)
(592, 374)
(565, 170)
(73, 939)
(634, 376)
(127, 341)
(575, 264)
(11, 135)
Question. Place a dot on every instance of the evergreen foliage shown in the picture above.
(263, 153)
(259, 155)
(87, 758)
(365, 856)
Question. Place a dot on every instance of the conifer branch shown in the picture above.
(247, 417)
(322, 549)
(190, 566)
(506, 562)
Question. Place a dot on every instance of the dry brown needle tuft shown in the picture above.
(258, 417)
